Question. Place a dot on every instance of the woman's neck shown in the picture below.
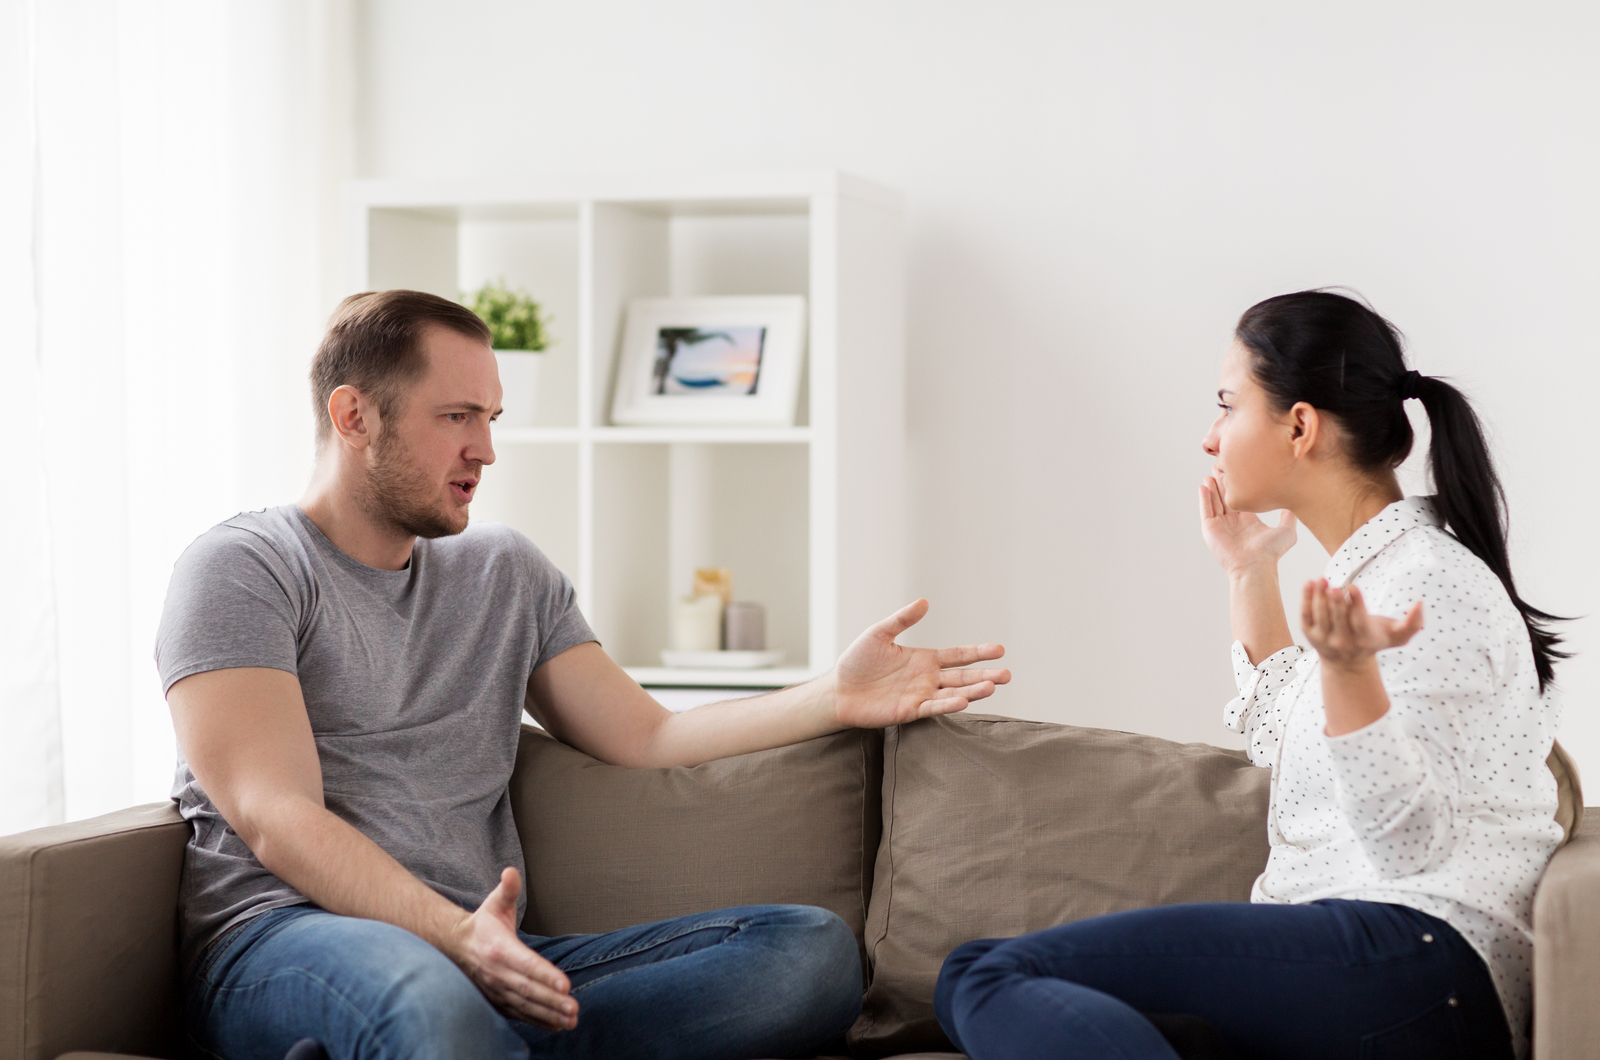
(1338, 509)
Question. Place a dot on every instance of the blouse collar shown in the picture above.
(1378, 533)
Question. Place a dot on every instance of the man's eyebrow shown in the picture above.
(467, 406)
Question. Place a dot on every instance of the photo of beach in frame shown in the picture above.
(708, 362)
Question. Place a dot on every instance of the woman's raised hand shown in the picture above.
(1240, 540)
(1338, 625)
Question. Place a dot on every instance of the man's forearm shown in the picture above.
(344, 872)
(739, 726)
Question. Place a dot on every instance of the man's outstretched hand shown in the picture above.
(516, 980)
(879, 682)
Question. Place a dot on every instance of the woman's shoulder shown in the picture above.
(1431, 564)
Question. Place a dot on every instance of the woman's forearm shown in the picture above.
(1353, 695)
(1255, 609)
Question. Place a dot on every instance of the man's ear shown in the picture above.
(1305, 427)
(354, 416)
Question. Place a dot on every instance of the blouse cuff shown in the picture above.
(1254, 681)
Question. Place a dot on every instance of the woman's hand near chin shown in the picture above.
(1240, 541)
(1249, 550)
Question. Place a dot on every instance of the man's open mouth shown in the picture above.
(463, 489)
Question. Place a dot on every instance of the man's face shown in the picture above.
(430, 452)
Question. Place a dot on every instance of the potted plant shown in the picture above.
(520, 332)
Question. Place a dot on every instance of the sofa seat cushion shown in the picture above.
(607, 847)
(995, 827)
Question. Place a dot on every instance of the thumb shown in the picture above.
(902, 619)
(1286, 520)
(503, 899)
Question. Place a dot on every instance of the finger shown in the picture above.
(524, 963)
(528, 992)
(519, 1007)
(1412, 624)
(1339, 617)
(943, 705)
(1286, 520)
(1216, 493)
(976, 690)
(902, 619)
(1208, 506)
(1319, 607)
(955, 678)
(967, 654)
(1308, 611)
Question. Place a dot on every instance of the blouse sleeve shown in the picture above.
(1401, 777)
(1254, 712)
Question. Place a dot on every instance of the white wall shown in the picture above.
(1096, 191)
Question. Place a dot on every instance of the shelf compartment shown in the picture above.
(712, 435)
(674, 677)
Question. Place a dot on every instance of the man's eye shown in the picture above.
(457, 417)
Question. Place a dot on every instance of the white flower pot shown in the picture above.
(519, 380)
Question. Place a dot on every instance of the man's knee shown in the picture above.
(824, 969)
(430, 1008)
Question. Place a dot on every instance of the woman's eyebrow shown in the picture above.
(1224, 392)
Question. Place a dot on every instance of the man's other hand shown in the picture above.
(519, 982)
(879, 682)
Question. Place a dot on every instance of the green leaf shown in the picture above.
(516, 321)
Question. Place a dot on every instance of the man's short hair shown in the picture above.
(374, 343)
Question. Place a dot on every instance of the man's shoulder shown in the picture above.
(250, 539)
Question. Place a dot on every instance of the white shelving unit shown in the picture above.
(810, 518)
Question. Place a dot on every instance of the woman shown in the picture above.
(1411, 813)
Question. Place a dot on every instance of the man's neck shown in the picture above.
(334, 504)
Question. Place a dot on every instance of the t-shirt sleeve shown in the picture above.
(232, 602)
(561, 624)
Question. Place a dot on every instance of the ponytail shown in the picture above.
(1471, 501)
(1341, 357)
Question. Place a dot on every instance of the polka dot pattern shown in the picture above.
(1444, 804)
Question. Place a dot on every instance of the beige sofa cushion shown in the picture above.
(607, 847)
(88, 935)
(994, 827)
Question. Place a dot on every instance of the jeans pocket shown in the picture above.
(1435, 1032)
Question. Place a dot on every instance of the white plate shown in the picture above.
(721, 660)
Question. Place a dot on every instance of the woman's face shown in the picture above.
(1253, 447)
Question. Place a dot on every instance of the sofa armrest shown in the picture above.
(1566, 950)
(88, 935)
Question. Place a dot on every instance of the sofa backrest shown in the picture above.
(995, 827)
(607, 847)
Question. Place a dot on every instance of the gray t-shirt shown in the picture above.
(414, 682)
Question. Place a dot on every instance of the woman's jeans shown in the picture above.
(1328, 979)
(754, 981)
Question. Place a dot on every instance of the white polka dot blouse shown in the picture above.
(1444, 804)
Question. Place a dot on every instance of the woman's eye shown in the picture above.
(1224, 408)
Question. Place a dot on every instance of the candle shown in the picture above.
(746, 626)
(697, 623)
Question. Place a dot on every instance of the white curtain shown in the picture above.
(168, 218)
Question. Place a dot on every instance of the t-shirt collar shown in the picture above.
(1378, 533)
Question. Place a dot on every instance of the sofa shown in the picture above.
(920, 837)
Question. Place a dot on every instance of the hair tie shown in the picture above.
(1411, 385)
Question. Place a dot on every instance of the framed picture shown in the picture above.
(710, 361)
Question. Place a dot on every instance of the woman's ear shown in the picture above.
(1305, 426)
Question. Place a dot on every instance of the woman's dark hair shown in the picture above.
(1342, 358)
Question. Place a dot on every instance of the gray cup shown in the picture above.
(745, 627)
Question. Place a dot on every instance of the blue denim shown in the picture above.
(1331, 979)
(763, 980)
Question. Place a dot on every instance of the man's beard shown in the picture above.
(398, 494)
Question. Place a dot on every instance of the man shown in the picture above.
(347, 677)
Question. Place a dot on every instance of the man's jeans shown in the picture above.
(754, 981)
